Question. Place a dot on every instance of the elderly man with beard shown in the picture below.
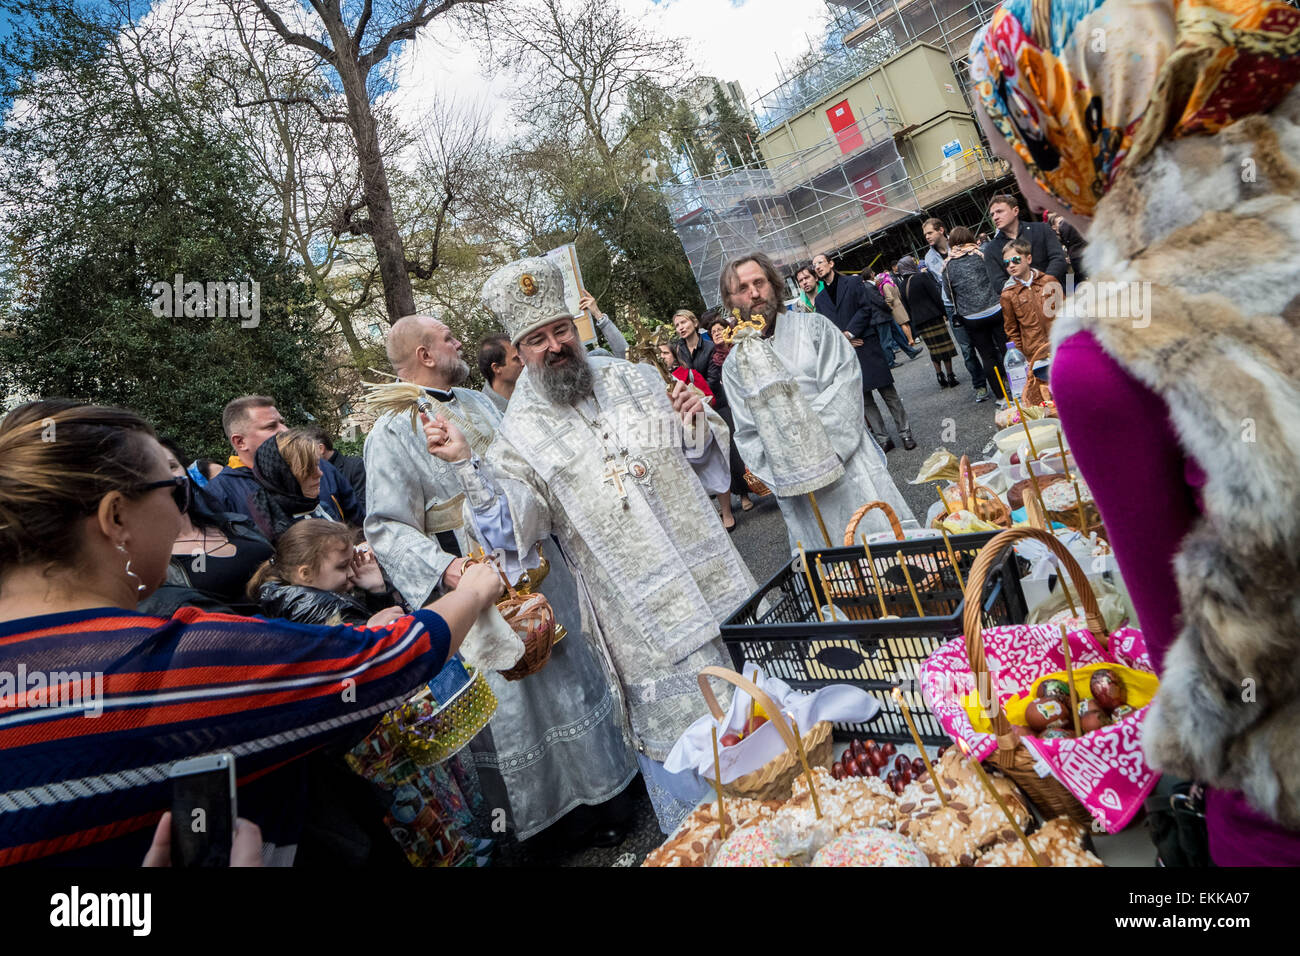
(596, 453)
(555, 746)
(796, 397)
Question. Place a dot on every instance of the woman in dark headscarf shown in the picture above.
(288, 477)
(924, 304)
(1175, 371)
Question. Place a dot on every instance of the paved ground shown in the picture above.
(936, 414)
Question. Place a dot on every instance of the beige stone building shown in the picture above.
(857, 150)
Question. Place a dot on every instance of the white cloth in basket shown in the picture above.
(838, 703)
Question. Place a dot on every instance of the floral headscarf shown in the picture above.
(1079, 88)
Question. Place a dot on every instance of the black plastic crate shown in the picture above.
(778, 628)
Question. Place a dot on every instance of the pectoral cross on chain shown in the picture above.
(614, 475)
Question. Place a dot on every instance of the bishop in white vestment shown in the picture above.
(593, 451)
(796, 400)
(557, 736)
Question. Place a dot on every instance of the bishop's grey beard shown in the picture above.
(568, 383)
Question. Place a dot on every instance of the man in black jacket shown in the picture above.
(1073, 242)
(853, 305)
(1048, 255)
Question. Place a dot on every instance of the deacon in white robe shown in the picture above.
(593, 451)
(556, 740)
(796, 400)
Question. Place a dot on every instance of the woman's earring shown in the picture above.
(140, 585)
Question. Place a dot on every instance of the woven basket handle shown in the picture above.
(510, 588)
(989, 556)
(966, 484)
(754, 691)
(850, 531)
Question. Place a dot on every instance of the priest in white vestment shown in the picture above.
(595, 452)
(796, 396)
(556, 740)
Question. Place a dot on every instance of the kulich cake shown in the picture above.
(870, 848)
(1058, 843)
(853, 803)
(696, 841)
(749, 846)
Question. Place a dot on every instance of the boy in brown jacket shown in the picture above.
(1030, 300)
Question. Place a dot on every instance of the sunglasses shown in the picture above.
(1013, 261)
(180, 487)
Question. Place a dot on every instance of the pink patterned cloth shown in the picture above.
(1105, 769)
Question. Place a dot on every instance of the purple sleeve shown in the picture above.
(1147, 490)
(1126, 449)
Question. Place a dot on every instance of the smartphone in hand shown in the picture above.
(203, 810)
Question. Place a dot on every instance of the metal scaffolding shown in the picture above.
(809, 201)
(804, 204)
(949, 25)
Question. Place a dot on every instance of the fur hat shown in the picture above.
(526, 295)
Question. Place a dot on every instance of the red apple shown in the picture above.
(729, 740)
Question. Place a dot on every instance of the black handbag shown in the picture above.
(1176, 820)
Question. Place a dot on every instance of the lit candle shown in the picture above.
(1069, 679)
(997, 798)
(907, 715)
(717, 785)
(803, 759)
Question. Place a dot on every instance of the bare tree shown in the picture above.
(580, 63)
(353, 50)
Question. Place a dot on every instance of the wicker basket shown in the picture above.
(773, 781)
(978, 499)
(1011, 757)
(756, 484)
(530, 616)
(852, 528)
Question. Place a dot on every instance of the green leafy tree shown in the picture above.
(123, 182)
(735, 131)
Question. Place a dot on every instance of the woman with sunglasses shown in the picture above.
(213, 557)
(112, 698)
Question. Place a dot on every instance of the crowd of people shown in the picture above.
(279, 607)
